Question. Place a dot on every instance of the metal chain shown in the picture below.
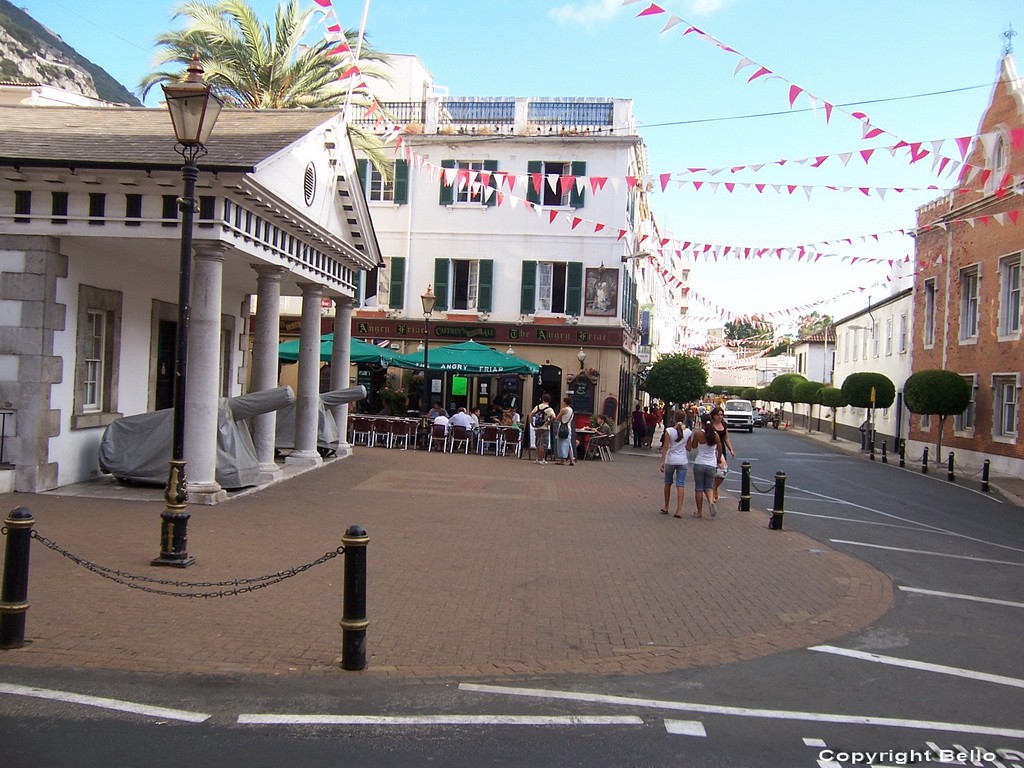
(967, 471)
(241, 586)
(913, 460)
(762, 490)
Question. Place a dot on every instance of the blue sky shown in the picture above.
(842, 50)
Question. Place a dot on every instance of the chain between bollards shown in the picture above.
(745, 486)
(14, 590)
(779, 505)
(353, 617)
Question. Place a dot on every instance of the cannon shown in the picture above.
(327, 438)
(137, 449)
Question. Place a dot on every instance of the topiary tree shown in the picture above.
(781, 388)
(750, 393)
(859, 387)
(939, 392)
(832, 397)
(807, 392)
(677, 378)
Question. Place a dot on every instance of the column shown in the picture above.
(307, 398)
(202, 387)
(264, 365)
(341, 362)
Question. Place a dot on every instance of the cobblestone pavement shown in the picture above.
(478, 567)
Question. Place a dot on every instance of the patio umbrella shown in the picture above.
(467, 357)
(360, 351)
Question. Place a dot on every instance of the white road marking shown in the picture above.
(895, 661)
(685, 727)
(861, 522)
(272, 719)
(814, 742)
(957, 596)
(770, 714)
(926, 552)
(102, 703)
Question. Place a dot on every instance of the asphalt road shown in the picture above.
(941, 672)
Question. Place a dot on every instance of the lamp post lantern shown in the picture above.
(428, 300)
(194, 110)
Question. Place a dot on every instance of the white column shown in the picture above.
(202, 387)
(341, 361)
(265, 364)
(307, 398)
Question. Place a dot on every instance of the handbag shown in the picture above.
(563, 431)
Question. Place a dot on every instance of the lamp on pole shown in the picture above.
(194, 110)
(581, 356)
(428, 300)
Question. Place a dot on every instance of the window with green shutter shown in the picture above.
(528, 295)
(441, 269)
(574, 288)
(578, 195)
(486, 278)
(401, 182)
(492, 182)
(396, 282)
(447, 190)
(534, 167)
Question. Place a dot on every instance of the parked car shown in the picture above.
(739, 414)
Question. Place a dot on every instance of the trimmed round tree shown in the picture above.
(938, 392)
(807, 392)
(781, 389)
(677, 378)
(833, 398)
(750, 393)
(857, 389)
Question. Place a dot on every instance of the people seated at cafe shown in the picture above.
(474, 414)
(460, 419)
(510, 418)
(443, 420)
(497, 413)
(436, 411)
(603, 427)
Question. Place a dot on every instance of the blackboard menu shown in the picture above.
(583, 395)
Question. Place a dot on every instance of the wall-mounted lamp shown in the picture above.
(581, 356)
(574, 319)
(510, 351)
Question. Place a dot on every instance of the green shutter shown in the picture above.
(534, 166)
(528, 297)
(574, 287)
(486, 281)
(396, 287)
(401, 182)
(361, 168)
(576, 197)
(492, 166)
(360, 299)
(441, 269)
(447, 190)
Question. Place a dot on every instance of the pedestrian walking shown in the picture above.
(563, 436)
(717, 418)
(705, 466)
(541, 418)
(675, 461)
(638, 426)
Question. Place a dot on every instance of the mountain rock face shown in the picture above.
(30, 53)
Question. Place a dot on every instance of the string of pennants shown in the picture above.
(869, 129)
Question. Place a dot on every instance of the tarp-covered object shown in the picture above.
(359, 351)
(467, 357)
(138, 448)
(327, 437)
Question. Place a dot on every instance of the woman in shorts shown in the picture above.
(705, 467)
(674, 461)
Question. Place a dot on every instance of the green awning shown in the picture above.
(359, 351)
(467, 357)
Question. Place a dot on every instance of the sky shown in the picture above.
(922, 70)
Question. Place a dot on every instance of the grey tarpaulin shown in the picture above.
(138, 448)
(327, 437)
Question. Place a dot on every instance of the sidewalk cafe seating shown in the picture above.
(459, 436)
(439, 434)
(511, 438)
(489, 437)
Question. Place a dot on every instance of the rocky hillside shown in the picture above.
(29, 52)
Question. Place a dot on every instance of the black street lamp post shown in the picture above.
(194, 110)
(428, 300)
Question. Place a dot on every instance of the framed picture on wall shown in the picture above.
(601, 293)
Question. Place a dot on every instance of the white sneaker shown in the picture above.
(542, 462)
(714, 508)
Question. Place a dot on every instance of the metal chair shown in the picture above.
(398, 432)
(439, 433)
(489, 435)
(459, 435)
(361, 429)
(512, 438)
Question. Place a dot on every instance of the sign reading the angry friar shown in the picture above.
(490, 333)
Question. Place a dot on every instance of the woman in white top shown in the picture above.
(705, 466)
(674, 461)
(563, 423)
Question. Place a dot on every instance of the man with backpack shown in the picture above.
(540, 419)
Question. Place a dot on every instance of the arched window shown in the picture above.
(999, 161)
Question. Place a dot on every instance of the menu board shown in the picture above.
(583, 395)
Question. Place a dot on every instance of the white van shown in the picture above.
(739, 414)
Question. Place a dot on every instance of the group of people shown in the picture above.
(644, 422)
(709, 437)
(555, 430)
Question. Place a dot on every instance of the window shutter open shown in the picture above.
(574, 288)
(447, 190)
(401, 182)
(441, 269)
(486, 280)
(534, 166)
(528, 296)
(492, 166)
(576, 196)
(362, 166)
(396, 285)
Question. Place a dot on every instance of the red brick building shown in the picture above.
(967, 288)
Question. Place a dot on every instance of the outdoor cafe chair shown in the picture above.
(511, 438)
(459, 435)
(490, 435)
(397, 432)
(362, 430)
(439, 433)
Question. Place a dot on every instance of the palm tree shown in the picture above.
(252, 65)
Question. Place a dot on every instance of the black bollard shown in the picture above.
(924, 461)
(779, 506)
(353, 618)
(885, 457)
(14, 591)
(949, 468)
(984, 476)
(903, 454)
(745, 486)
